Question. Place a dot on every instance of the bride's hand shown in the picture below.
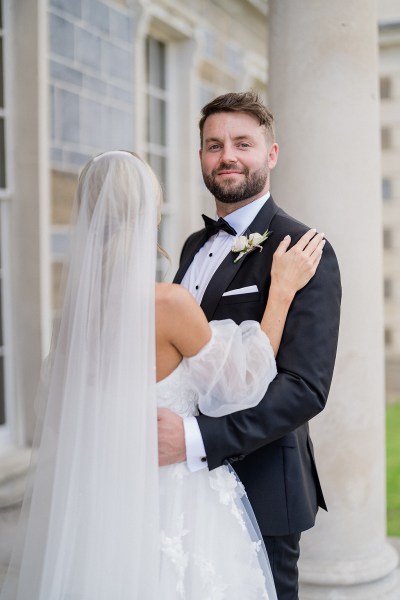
(292, 269)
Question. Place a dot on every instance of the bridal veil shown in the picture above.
(89, 524)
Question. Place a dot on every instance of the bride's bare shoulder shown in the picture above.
(172, 296)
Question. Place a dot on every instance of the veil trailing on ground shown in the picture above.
(89, 524)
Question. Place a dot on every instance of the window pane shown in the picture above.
(388, 288)
(1, 314)
(159, 166)
(386, 188)
(155, 55)
(386, 138)
(2, 402)
(156, 121)
(385, 87)
(2, 155)
(387, 239)
(1, 74)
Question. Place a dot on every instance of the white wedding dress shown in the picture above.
(210, 546)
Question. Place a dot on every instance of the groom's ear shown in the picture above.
(273, 155)
(200, 153)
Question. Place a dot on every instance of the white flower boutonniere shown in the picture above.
(244, 244)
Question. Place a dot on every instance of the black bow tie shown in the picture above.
(213, 227)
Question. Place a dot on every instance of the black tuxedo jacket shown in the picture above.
(269, 445)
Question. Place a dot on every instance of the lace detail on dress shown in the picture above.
(174, 393)
(230, 489)
(172, 547)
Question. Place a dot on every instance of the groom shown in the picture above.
(269, 445)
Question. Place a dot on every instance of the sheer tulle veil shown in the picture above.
(89, 523)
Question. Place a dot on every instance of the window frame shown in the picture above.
(8, 430)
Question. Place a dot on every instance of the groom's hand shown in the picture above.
(171, 438)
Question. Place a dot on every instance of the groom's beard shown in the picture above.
(231, 192)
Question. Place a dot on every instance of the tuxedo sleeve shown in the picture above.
(305, 363)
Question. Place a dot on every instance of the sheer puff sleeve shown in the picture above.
(233, 370)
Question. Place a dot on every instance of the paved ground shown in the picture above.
(396, 543)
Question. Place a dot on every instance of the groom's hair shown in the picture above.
(247, 102)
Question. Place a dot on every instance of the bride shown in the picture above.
(100, 520)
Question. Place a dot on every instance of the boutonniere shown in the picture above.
(244, 244)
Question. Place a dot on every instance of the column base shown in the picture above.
(387, 588)
(375, 578)
(349, 572)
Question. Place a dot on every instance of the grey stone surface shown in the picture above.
(97, 14)
(61, 72)
(121, 25)
(75, 159)
(67, 107)
(55, 154)
(119, 128)
(73, 7)
(52, 112)
(91, 123)
(88, 49)
(117, 62)
(94, 84)
(62, 38)
(120, 94)
(395, 542)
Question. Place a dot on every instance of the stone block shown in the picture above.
(72, 7)
(121, 25)
(94, 84)
(120, 94)
(67, 107)
(88, 49)
(62, 37)
(117, 62)
(61, 72)
(97, 14)
(91, 123)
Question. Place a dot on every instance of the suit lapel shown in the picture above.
(228, 268)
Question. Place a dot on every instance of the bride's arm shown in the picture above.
(186, 325)
(291, 270)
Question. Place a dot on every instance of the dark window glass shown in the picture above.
(156, 114)
(388, 288)
(386, 188)
(155, 56)
(2, 155)
(387, 239)
(2, 402)
(159, 165)
(1, 75)
(385, 87)
(386, 138)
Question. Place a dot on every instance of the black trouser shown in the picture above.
(283, 553)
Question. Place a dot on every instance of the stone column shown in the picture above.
(323, 91)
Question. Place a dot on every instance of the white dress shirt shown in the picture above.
(196, 280)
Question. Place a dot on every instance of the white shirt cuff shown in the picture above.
(195, 452)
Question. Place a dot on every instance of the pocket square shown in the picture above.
(244, 290)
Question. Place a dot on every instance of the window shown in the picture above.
(386, 138)
(386, 188)
(157, 118)
(5, 353)
(388, 288)
(385, 88)
(387, 238)
(388, 337)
